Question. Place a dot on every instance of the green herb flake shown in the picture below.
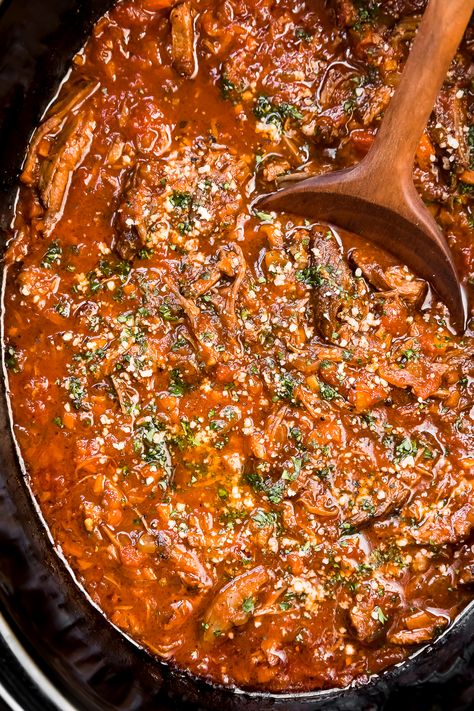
(181, 200)
(167, 312)
(264, 518)
(11, 359)
(52, 255)
(248, 605)
(177, 386)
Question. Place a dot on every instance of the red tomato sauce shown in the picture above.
(250, 435)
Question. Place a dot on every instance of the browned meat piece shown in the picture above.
(394, 278)
(430, 186)
(464, 565)
(450, 119)
(227, 265)
(346, 12)
(352, 14)
(419, 628)
(400, 8)
(332, 283)
(360, 501)
(73, 101)
(401, 280)
(370, 616)
(193, 193)
(424, 378)
(183, 40)
(58, 149)
(442, 527)
(189, 568)
(234, 603)
(128, 244)
(450, 523)
(419, 636)
(377, 103)
(186, 563)
(128, 396)
(70, 149)
(212, 344)
(275, 168)
(368, 508)
(366, 391)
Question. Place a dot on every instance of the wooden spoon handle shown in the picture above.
(435, 45)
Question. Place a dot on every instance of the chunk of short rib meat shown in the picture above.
(370, 616)
(79, 92)
(193, 192)
(464, 565)
(348, 15)
(208, 337)
(57, 150)
(450, 524)
(450, 120)
(418, 628)
(185, 561)
(346, 12)
(368, 508)
(402, 8)
(70, 149)
(183, 40)
(331, 280)
(189, 568)
(275, 168)
(393, 278)
(227, 608)
(424, 378)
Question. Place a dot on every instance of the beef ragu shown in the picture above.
(251, 436)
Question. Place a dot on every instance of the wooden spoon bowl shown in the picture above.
(377, 198)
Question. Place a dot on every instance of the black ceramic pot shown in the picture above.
(58, 650)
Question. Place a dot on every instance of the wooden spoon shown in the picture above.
(377, 198)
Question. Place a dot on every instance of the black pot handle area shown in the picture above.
(55, 632)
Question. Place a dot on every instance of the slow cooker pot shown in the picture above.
(57, 650)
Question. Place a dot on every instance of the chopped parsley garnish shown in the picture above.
(327, 392)
(268, 112)
(151, 444)
(177, 385)
(470, 141)
(302, 34)
(229, 90)
(406, 448)
(409, 354)
(76, 392)
(52, 255)
(311, 276)
(286, 386)
(145, 253)
(11, 359)
(263, 216)
(248, 605)
(167, 312)
(231, 517)
(63, 308)
(179, 343)
(181, 200)
(264, 518)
